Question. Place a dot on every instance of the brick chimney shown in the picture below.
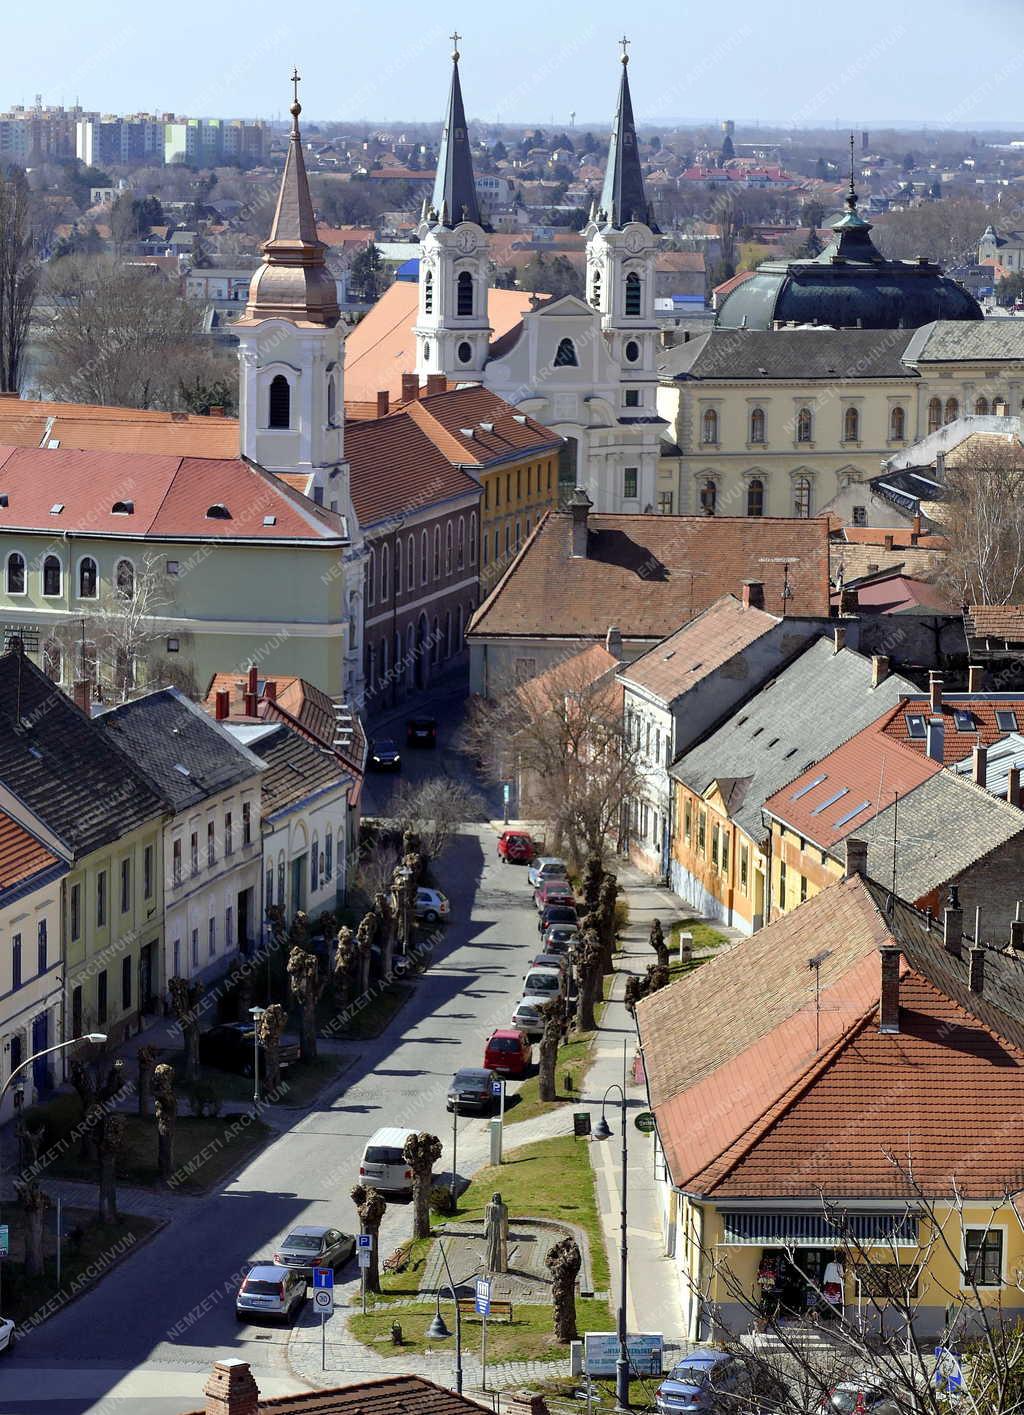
(889, 1005)
(613, 640)
(975, 678)
(976, 969)
(251, 691)
(410, 387)
(935, 691)
(917, 524)
(753, 594)
(231, 1389)
(935, 735)
(580, 506)
(979, 765)
(270, 690)
(953, 922)
(436, 383)
(222, 704)
(82, 695)
(1013, 786)
(383, 402)
(879, 669)
(856, 856)
(217, 410)
(840, 638)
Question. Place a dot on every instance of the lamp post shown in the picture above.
(603, 1131)
(438, 1330)
(256, 1013)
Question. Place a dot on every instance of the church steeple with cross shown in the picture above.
(454, 198)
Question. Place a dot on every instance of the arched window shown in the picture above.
(497, 544)
(508, 540)
(981, 406)
(708, 496)
(460, 551)
(634, 301)
(332, 394)
(51, 575)
(952, 410)
(410, 569)
(595, 288)
(385, 574)
(124, 579)
(270, 886)
(328, 853)
(851, 425)
(428, 292)
(15, 573)
(424, 558)
(804, 425)
(897, 424)
(757, 425)
(518, 534)
(472, 538)
(371, 577)
(280, 412)
(709, 427)
(52, 660)
(448, 548)
(314, 865)
(437, 552)
(999, 406)
(802, 495)
(280, 879)
(87, 578)
(755, 497)
(464, 294)
(934, 414)
(565, 354)
(398, 567)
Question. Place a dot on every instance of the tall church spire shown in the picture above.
(293, 282)
(623, 198)
(455, 198)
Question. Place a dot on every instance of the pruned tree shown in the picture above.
(19, 276)
(185, 995)
(166, 1119)
(593, 875)
(307, 986)
(658, 943)
(110, 1139)
(403, 894)
(433, 810)
(365, 935)
(371, 1207)
(589, 972)
(634, 991)
(343, 968)
(563, 1261)
(553, 1013)
(385, 916)
(34, 1203)
(269, 1028)
(145, 1059)
(606, 918)
(657, 977)
(983, 520)
(421, 1153)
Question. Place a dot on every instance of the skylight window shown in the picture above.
(1006, 720)
(964, 720)
(830, 801)
(844, 820)
(270, 520)
(56, 508)
(916, 729)
(183, 769)
(809, 787)
(757, 732)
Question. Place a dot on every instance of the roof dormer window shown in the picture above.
(123, 508)
(218, 512)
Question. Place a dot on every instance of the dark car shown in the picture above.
(471, 1089)
(312, 1245)
(560, 938)
(384, 755)
(231, 1046)
(557, 914)
(704, 1381)
(421, 732)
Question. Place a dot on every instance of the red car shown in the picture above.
(553, 891)
(515, 847)
(508, 1051)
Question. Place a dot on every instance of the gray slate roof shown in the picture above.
(967, 339)
(1001, 756)
(164, 731)
(801, 355)
(817, 703)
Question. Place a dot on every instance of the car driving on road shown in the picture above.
(421, 732)
(270, 1290)
(384, 755)
(312, 1246)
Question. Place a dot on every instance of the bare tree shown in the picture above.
(307, 987)
(553, 1013)
(421, 1153)
(983, 520)
(344, 966)
(146, 1060)
(270, 1026)
(34, 1203)
(563, 1261)
(658, 944)
(371, 1207)
(433, 810)
(19, 276)
(166, 1119)
(185, 997)
(589, 956)
(110, 1138)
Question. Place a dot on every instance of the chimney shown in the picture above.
(935, 730)
(580, 506)
(935, 690)
(840, 635)
(1017, 932)
(217, 410)
(222, 704)
(856, 856)
(613, 640)
(975, 678)
(889, 1006)
(917, 524)
(436, 383)
(82, 694)
(879, 669)
(231, 1389)
(1013, 787)
(888, 541)
(383, 403)
(953, 923)
(753, 594)
(253, 680)
(270, 690)
(976, 966)
(940, 466)
(410, 387)
(979, 765)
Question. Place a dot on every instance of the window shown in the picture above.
(804, 425)
(51, 576)
(983, 1257)
(952, 410)
(211, 937)
(269, 889)
(16, 960)
(802, 495)
(860, 515)
(565, 354)
(229, 843)
(211, 843)
(246, 822)
(410, 568)
(687, 820)
(229, 927)
(634, 298)
(508, 540)
(1006, 720)
(897, 424)
(629, 483)
(437, 552)
(744, 867)
(147, 872)
(126, 984)
(981, 406)
(87, 578)
(331, 396)
(632, 398)
(803, 889)
(757, 427)
(173, 645)
(126, 884)
(714, 844)
(101, 997)
(665, 500)
(195, 949)
(172, 567)
(280, 403)
(472, 538)
(53, 660)
(328, 853)
(194, 851)
(934, 415)
(398, 567)
(916, 729)
(15, 573)
(709, 427)
(428, 292)
(464, 295)
(782, 884)
(76, 1012)
(124, 579)
(702, 832)
(448, 548)
(101, 899)
(371, 577)
(424, 558)
(465, 351)
(176, 862)
(75, 912)
(595, 289)
(497, 544)
(755, 497)
(851, 425)
(632, 351)
(280, 879)
(708, 497)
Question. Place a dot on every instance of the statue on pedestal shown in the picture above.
(496, 1233)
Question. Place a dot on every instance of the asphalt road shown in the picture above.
(145, 1338)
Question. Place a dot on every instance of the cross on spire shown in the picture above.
(625, 45)
(296, 80)
(851, 200)
(455, 45)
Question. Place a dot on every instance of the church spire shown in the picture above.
(293, 282)
(622, 197)
(455, 197)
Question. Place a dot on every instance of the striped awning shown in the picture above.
(769, 1228)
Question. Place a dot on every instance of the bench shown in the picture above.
(398, 1261)
(467, 1308)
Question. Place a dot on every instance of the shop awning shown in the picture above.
(769, 1228)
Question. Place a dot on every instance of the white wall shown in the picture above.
(289, 836)
(38, 992)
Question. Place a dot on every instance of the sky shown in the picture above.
(801, 63)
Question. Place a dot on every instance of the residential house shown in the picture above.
(995, 636)
(103, 817)
(212, 846)
(679, 689)
(947, 726)
(91, 427)
(720, 844)
(796, 1111)
(579, 572)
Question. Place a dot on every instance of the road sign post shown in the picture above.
(483, 1306)
(364, 1252)
(498, 1091)
(323, 1301)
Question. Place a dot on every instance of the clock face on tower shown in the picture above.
(634, 242)
(466, 241)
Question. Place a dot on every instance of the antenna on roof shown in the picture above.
(815, 965)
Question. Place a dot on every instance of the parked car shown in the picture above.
(384, 755)
(557, 914)
(544, 984)
(858, 1397)
(421, 732)
(312, 1245)
(231, 1046)
(551, 960)
(560, 938)
(547, 867)
(515, 847)
(553, 891)
(431, 905)
(508, 1051)
(527, 1018)
(384, 1164)
(471, 1089)
(270, 1290)
(6, 1334)
(705, 1380)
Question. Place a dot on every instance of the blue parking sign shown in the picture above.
(483, 1296)
(495, 1088)
(323, 1277)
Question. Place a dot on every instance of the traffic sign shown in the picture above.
(506, 791)
(323, 1299)
(5, 1240)
(483, 1296)
(645, 1122)
(581, 1123)
(364, 1255)
(323, 1278)
(364, 1240)
(948, 1371)
(495, 1088)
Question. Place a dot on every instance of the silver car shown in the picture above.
(270, 1290)
(314, 1245)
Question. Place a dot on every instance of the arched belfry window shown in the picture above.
(565, 354)
(280, 411)
(464, 294)
(633, 294)
(428, 292)
(595, 289)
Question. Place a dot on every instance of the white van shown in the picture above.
(383, 1164)
(543, 984)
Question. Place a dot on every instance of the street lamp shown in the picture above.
(438, 1330)
(603, 1131)
(256, 1013)
(46, 1051)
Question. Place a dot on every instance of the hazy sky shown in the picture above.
(953, 63)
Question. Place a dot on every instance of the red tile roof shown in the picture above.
(397, 468)
(995, 621)
(299, 703)
(21, 854)
(593, 668)
(896, 594)
(474, 426)
(900, 538)
(983, 728)
(94, 428)
(649, 574)
(388, 1395)
(723, 630)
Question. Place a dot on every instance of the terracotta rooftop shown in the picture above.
(94, 428)
(397, 468)
(300, 704)
(654, 572)
(723, 630)
(471, 425)
(389, 1395)
(899, 537)
(593, 668)
(1004, 622)
(892, 592)
(23, 858)
(968, 719)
